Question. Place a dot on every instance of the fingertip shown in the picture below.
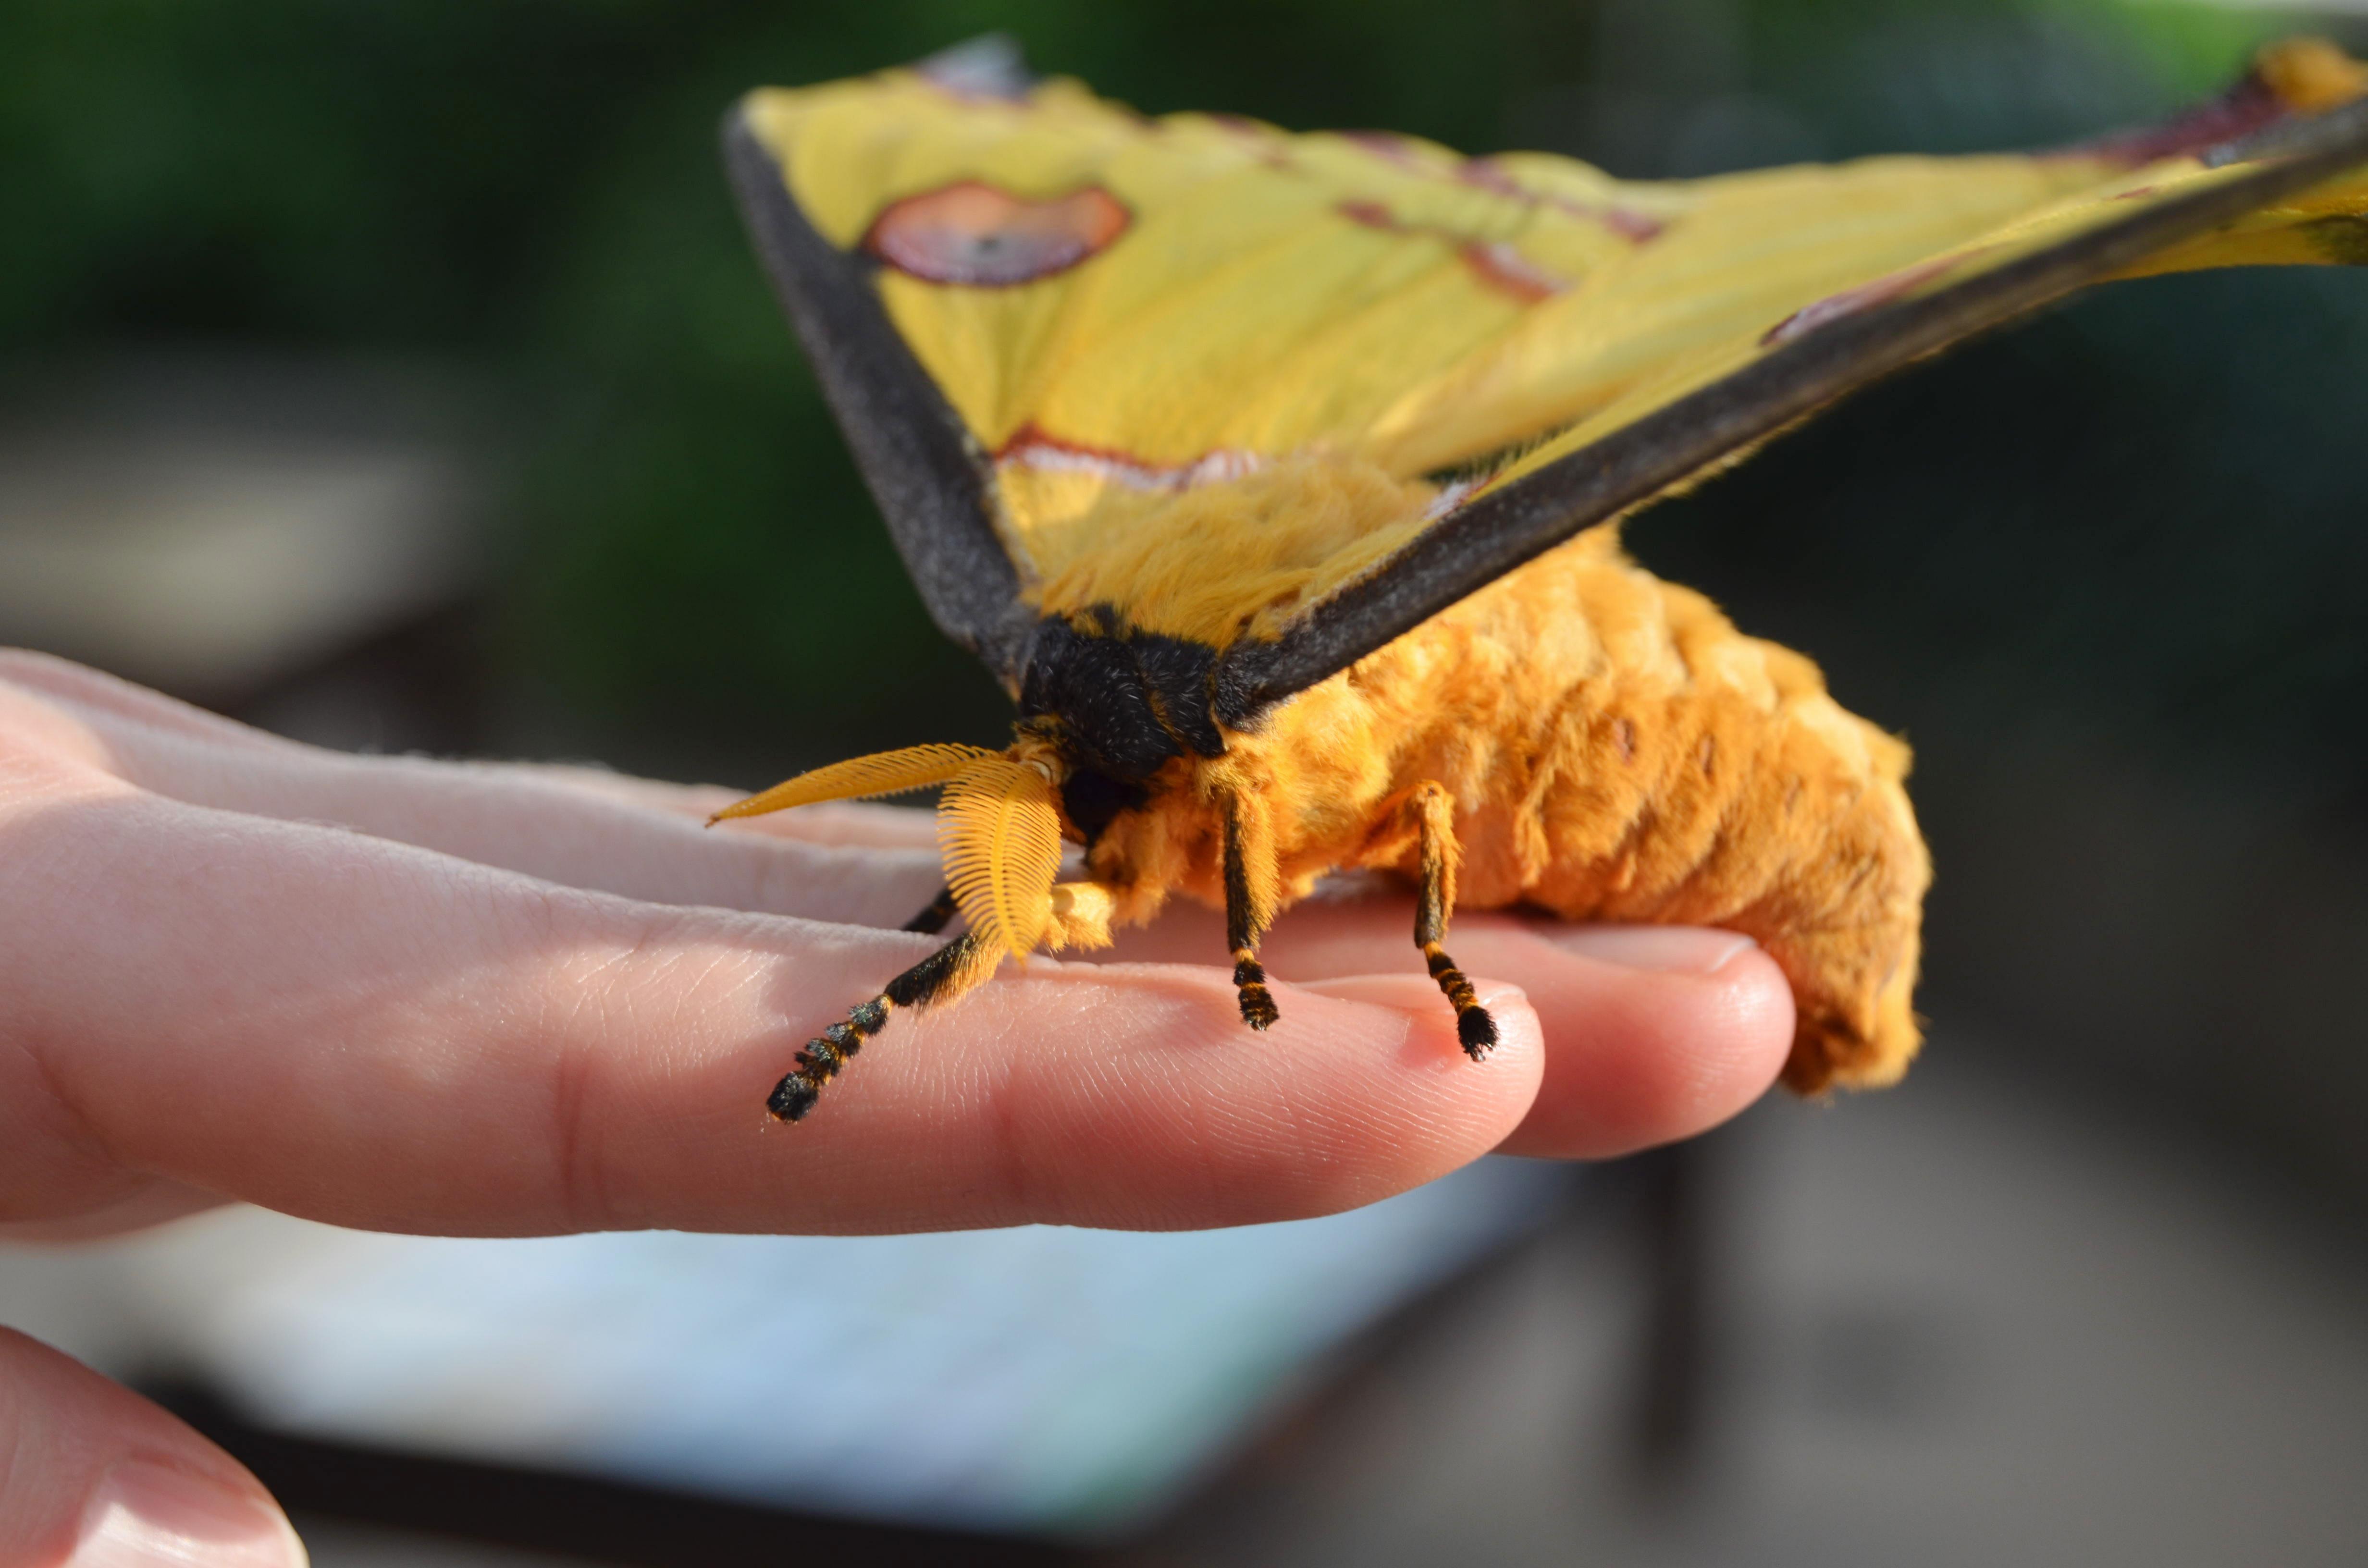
(145, 1515)
(1379, 1059)
(1651, 1033)
(1646, 1054)
(1360, 1090)
(1476, 1097)
(1433, 1018)
(103, 1479)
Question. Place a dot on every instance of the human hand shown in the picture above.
(481, 1000)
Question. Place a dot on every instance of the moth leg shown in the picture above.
(1434, 812)
(1083, 913)
(942, 976)
(936, 917)
(1246, 921)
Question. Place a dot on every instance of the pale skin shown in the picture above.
(482, 1000)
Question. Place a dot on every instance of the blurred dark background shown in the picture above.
(467, 277)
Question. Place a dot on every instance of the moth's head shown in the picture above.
(999, 825)
(1092, 793)
(1109, 709)
(1108, 718)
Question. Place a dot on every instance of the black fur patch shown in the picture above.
(1094, 800)
(1127, 701)
(919, 985)
(793, 1098)
(936, 917)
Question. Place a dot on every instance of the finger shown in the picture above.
(363, 1032)
(1653, 1033)
(97, 1477)
(82, 687)
(853, 823)
(146, 1202)
(1658, 1033)
(545, 822)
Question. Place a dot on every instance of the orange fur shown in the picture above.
(1617, 751)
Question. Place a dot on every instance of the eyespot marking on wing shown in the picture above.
(1494, 262)
(978, 236)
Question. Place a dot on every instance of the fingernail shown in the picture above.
(150, 1516)
(1667, 950)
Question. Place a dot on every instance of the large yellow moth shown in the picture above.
(1277, 478)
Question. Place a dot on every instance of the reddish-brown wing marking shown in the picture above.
(2304, 77)
(1494, 262)
(974, 234)
(1487, 174)
(1502, 267)
(1865, 297)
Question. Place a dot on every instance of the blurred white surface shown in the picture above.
(1047, 1380)
(209, 525)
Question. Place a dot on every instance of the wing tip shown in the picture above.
(1503, 527)
(736, 130)
(2288, 83)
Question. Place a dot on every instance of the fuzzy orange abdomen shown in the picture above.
(1620, 752)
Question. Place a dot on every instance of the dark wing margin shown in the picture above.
(933, 485)
(1507, 528)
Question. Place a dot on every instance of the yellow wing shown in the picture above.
(2324, 226)
(1118, 306)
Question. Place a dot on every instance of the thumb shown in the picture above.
(94, 1476)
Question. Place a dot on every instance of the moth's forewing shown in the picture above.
(1663, 434)
(932, 482)
(1039, 316)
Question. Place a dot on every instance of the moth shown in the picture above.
(1278, 478)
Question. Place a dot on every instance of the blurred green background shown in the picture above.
(2106, 572)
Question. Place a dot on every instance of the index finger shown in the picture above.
(367, 1033)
